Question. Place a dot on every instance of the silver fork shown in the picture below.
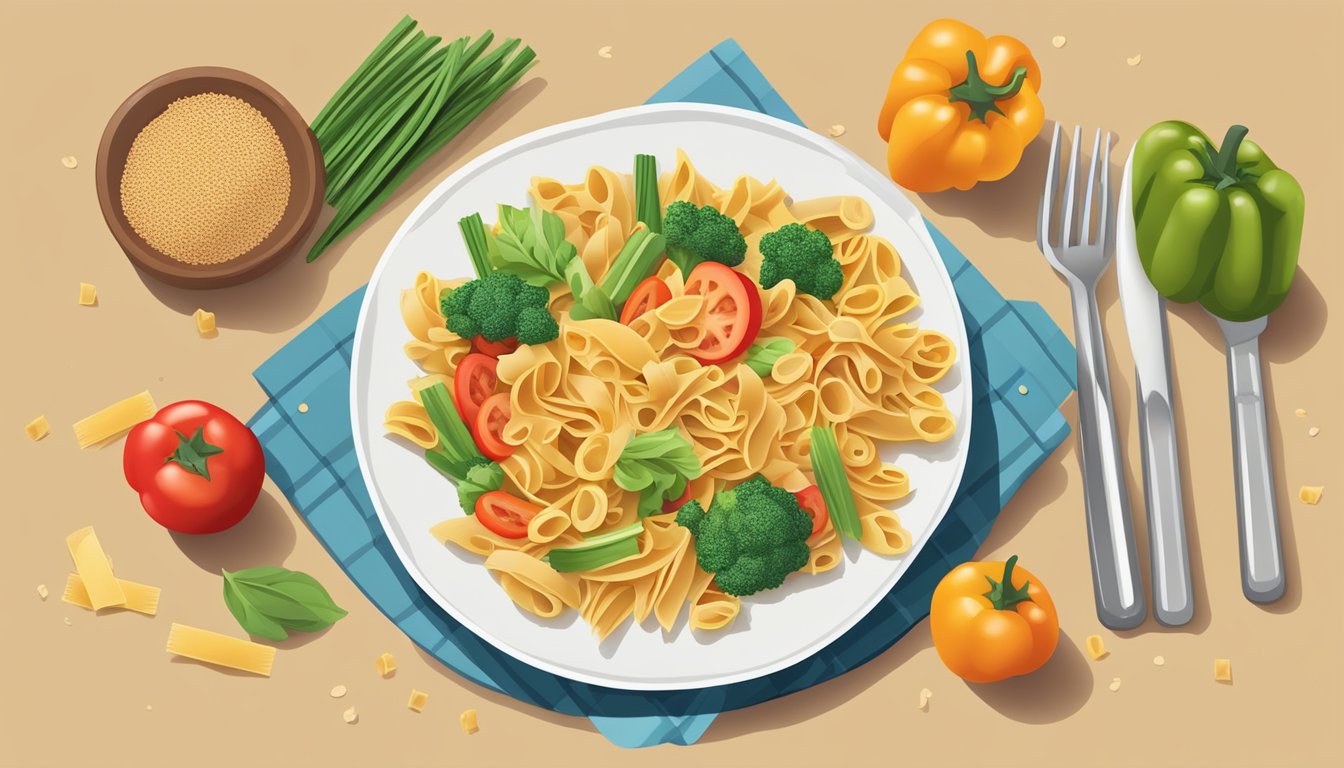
(1081, 262)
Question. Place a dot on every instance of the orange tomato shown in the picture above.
(992, 621)
(960, 109)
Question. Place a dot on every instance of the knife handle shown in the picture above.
(1262, 578)
(1173, 603)
(1116, 582)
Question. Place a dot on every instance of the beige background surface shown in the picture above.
(81, 694)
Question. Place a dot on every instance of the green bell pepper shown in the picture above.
(1218, 226)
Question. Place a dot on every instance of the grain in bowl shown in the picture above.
(207, 180)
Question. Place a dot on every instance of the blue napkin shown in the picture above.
(1022, 369)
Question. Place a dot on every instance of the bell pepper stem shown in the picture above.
(1226, 162)
(1002, 594)
(979, 95)
(1220, 166)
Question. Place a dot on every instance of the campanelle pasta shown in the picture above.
(858, 363)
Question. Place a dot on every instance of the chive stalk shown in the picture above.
(597, 551)
(456, 452)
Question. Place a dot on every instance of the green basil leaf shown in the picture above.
(266, 601)
(658, 465)
(480, 479)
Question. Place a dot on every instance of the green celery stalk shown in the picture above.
(636, 261)
(457, 451)
(647, 207)
(473, 232)
(831, 480)
(367, 71)
(597, 551)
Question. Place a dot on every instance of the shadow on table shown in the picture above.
(1047, 695)
(283, 298)
(265, 537)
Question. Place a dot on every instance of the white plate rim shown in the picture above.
(890, 195)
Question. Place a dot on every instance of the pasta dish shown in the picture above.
(658, 394)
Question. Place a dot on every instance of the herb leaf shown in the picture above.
(658, 464)
(480, 479)
(763, 354)
(266, 601)
(531, 244)
(192, 453)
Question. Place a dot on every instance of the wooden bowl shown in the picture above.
(306, 173)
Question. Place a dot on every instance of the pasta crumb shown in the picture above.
(385, 664)
(837, 130)
(88, 294)
(1310, 494)
(1301, 413)
(303, 408)
(1134, 60)
(468, 721)
(350, 716)
(42, 591)
(1222, 670)
(1314, 431)
(338, 691)
(1022, 389)
(924, 695)
(1159, 661)
(417, 701)
(68, 622)
(70, 161)
(37, 428)
(604, 51)
(1115, 684)
(1058, 41)
(1096, 648)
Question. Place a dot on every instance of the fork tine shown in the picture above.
(1071, 190)
(1103, 216)
(1048, 196)
(1086, 223)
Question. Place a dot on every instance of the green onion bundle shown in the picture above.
(408, 99)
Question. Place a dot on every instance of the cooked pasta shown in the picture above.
(857, 363)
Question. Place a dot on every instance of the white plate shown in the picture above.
(776, 628)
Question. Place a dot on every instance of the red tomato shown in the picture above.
(505, 514)
(648, 295)
(733, 311)
(494, 348)
(675, 504)
(473, 382)
(810, 501)
(196, 467)
(489, 428)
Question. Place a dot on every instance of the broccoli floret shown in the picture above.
(752, 537)
(795, 252)
(701, 234)
(497, 307)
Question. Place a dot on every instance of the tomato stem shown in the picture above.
(1002, 594)
(982, 97)
(193, 453)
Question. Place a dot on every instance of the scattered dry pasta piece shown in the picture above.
(1134, 60)
(338, 691)
(1159, 661)
(1301, 413)
(468, 720)
(88, 294)
(1096, 648)
(115, 419)
(37, 428)
(221, 650)
(70, 161)
(1222, 670)
(924, 695)
(303, 407)
(140, 598)
(350, 716)
(1314, 431)
(837, 130)
(604, 51)
(385, 664)
(101, 588)
(1115, 684)
(42, 591)
(1058, 41)
(1310, 494)
(205, 323)
(417, 701)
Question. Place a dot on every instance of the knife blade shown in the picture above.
(1146, 322)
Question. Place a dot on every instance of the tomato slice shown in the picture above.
(505, 514)
(733, 311)
(473, 382)
(810, 501)
(489, 427)
(494, 348)
(647, 296)
(675, 504)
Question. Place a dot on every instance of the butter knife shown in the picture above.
(1146, 320)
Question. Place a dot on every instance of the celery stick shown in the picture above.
(597, 551)
(647, 207)
(457, 449)
(473, 232)
(831, 480)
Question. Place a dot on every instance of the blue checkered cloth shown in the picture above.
(312, 460)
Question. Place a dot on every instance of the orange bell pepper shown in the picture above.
(960, 108)
(984, 636)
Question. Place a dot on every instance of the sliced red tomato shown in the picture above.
(810, 501)
(494, 348)
(733, 311)
(473, 382)
(647, 296)
(505, 514)
(675, 504)
(489, 427)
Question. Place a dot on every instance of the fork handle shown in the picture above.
(1110, 528)
(1262, 577)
